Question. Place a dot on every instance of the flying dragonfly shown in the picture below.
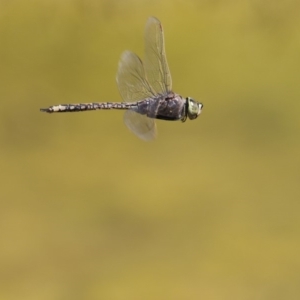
(146, 89)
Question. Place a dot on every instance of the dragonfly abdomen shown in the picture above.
(88, 106)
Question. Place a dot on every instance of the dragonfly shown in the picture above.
(146, 89)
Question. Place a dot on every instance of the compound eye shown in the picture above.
(194, 108)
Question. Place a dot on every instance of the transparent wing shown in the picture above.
(140, 125)
(156, 65)
(131, 78)
(133, 86)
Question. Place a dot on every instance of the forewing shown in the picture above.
(131, 79)
(156, 65)
(140, 125)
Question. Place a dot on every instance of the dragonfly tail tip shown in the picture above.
(45, 110)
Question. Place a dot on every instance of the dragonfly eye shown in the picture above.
(194, 108)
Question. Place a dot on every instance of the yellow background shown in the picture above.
(210, 210)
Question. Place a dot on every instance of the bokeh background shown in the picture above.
(209, 210)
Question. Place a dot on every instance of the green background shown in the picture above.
(209, 210)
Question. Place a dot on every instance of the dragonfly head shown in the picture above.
(194, 108)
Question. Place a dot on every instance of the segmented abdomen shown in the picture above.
(88, 106)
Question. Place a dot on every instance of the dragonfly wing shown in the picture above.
(140, 125)
(133, 86)
(131, 79)
(156, 65)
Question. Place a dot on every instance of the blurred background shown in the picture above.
(209, 210)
